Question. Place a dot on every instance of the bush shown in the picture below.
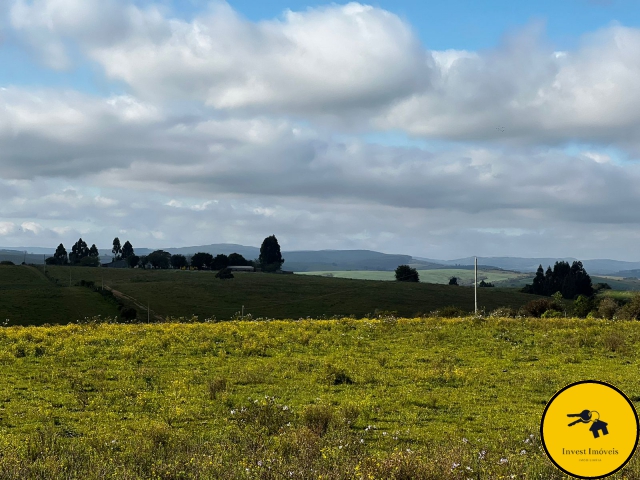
(224, 274)
(264, 414)
(89, 262)
(337, 376)
(582, 306)
(631, 311)
(453, 281)
(507, 312)
(551, 314)
(7, 262)
(216, 386)
(535, 308)
(317, 418)
(404, 273)
(128, 313)
(607, 308)
(449, 312)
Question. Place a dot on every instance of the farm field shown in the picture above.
(28, 297)
(331, 399)
(441, 276)
(176, 293)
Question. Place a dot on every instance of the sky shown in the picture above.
(435, 129)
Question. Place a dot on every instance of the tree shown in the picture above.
(179, 261)
(117, 249)
(127, 249)
(538, 282)
(453, 281)
(404, 273)
(202, 260)
(485, 284)
(93, 251)
(79, 251)
(60, 257)
(238, 260)
(133, 260)
(159, 259)
(270, 257)
(144, 261)
(219, 262)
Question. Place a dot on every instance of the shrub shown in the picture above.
(535, 308)
(265, 414)
(507, 312)
(7, 262)
(404, 273)
(631, 311)
(453, 281)
(582, 306)
(337, 376)
(128, 313)
(317, 418)
(551, 314)
(224, 274)
(614, 341)
(216, 386)
(450, 312)
(607, 308)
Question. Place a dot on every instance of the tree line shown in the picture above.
(270, 259)
(570, 280)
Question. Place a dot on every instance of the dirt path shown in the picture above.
(124, 296)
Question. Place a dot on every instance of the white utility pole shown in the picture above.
(476, 285)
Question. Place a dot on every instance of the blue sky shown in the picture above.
(438, 129)
(453, 24)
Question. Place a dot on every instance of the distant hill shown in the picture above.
(519, 264)
(309, 261)
(344, 260)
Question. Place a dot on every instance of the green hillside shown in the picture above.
(28, 297)
(183, 293)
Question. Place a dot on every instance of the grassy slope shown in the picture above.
(137, 401)
(183, 293)
(27, 297)
(441, 276)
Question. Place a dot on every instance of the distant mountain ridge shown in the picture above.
(520, 264)
(327, 260)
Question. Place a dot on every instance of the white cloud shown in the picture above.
(7, 228)
(524, 92)
(32, 227)
(325, 59)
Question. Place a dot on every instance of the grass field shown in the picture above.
(441, 276)
(331, 399)
(28, 297)
(178, 293)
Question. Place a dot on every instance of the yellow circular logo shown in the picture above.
(589, 429)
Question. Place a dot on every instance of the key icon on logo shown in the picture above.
(589, 416)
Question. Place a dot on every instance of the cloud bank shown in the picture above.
(228, 130)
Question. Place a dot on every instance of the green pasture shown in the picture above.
(178, 293)
(333, 399)
(441, 276)
(28, 297)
